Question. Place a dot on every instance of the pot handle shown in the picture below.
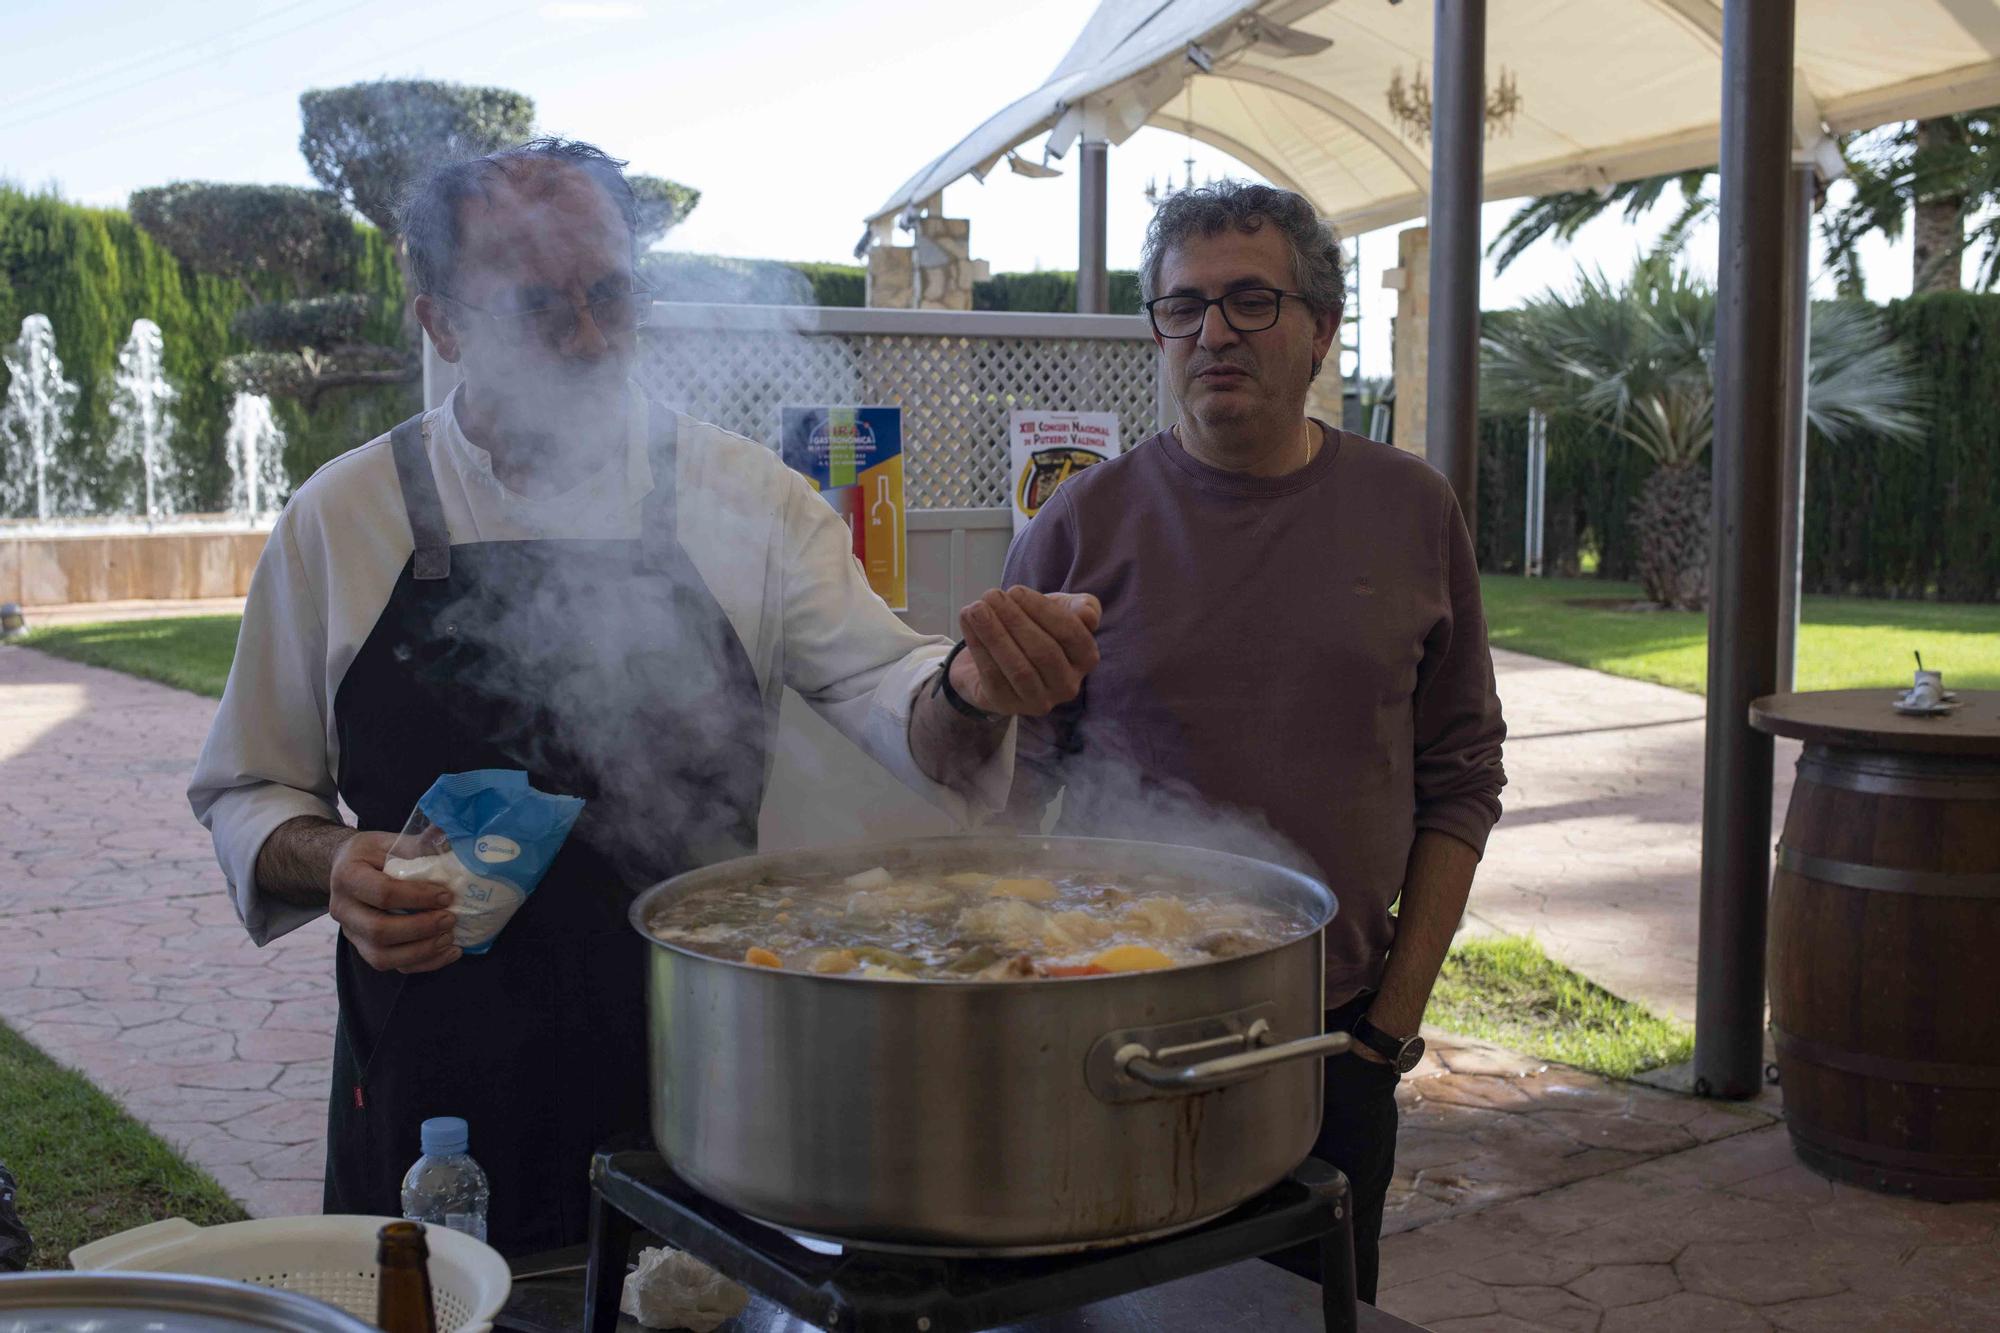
(1154, 1068)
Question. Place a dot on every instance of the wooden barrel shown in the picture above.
(1885, 970)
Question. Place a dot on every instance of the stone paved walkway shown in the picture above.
(1734, 1236)
(1598, 855)
(1526, 1197)
(119, 952)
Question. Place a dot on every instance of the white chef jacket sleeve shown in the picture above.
(859, 666)
(265, 759)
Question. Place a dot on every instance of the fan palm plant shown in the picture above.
(1635, 358)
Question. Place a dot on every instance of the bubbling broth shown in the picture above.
(971, 926)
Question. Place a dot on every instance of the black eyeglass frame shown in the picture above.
(1277, 294)
(513, 324)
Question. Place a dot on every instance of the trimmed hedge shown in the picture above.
(1883, 519)
(836, 284)
(678, 275)
(1051, 290)
(1894, 520)
(1593, 479)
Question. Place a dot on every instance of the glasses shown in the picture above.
(619, 313)
(1248, 310)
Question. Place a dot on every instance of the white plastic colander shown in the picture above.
(328, 1258)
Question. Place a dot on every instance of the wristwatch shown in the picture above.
(1402, 1052)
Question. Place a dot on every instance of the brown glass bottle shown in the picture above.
(403, 1281)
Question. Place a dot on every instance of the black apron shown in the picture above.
(606, 670)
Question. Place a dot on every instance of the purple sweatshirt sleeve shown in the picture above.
(1459, 729)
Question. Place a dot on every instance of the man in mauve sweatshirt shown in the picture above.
(1292, 635)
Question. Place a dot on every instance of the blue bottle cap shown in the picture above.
(443, 1136)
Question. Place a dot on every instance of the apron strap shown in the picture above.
(657, 536)
(428, 534)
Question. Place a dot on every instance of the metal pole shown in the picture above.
(1093, 281)
(1750, 418)
(1537, 492)
(1801, 186)
(1458, 136)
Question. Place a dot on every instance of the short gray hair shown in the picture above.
(1209, 209)
(429, 216)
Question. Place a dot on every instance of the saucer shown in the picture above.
(1948, 704)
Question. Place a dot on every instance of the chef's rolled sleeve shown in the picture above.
(265, 759)
(1459, 729)
(860, 667)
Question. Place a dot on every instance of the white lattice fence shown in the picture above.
(956, 376)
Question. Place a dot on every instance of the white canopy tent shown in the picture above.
(1609, 90)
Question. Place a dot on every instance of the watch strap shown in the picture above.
(1375, 1039)
(953, 697)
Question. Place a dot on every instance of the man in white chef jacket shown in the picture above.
(550, 572)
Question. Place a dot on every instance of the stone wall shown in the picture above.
(1411, 281)
(49, 571)
(936, 273)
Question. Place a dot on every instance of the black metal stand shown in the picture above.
(862, 1291)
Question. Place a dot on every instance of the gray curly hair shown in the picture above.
(1209, 209)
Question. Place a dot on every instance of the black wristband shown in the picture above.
(952, 696)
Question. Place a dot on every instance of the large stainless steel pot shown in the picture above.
(159, 1303)
(991, 1116)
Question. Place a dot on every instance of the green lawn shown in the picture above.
(192, 652)
(85, 1169)
(1844, 643)
(1506, 990)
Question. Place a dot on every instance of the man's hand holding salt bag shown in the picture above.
(485, 838)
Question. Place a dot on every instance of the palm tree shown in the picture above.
(1563, 214)
(1942, 173)
(1634, 358)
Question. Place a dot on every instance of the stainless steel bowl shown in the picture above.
(998, 1117)
(60, 1302)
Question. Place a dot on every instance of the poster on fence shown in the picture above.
(853, 456)
(1047, 448)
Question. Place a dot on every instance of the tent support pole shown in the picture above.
(1093, 280)
(1458, 137)
(1803, 184)
(1750, 418)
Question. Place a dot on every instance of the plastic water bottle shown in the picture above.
(446, 1188)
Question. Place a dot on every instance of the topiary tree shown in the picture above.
(300, 247)
(367, 142)
(298, 254)
(296, 245)
(258, 236)
(663, 205)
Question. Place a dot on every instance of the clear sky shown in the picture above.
(796, 118)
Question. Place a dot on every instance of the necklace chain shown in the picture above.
(1312, 439)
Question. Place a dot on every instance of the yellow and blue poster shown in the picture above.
(853, 456)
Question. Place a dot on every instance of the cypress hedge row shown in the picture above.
(1923, 520)
(1883, 519)
(92, 272)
